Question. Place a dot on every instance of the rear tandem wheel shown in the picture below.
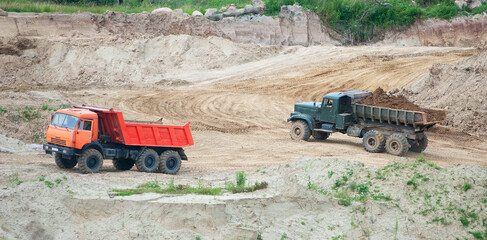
(374, 141)
(170, 162)
(148, 161)
(397, 144)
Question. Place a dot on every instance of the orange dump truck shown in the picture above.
(86, 135)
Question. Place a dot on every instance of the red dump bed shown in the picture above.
(113, 124)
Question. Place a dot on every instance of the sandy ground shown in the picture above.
(238, 117)
(240, 122)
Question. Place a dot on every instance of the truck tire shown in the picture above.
(420, 145)
(170, 162)
(320, 135)
(148, 161)
(300, 130)
(90, 161)
(123, 164)
(63, 162)
(397, 144)
(374, 141)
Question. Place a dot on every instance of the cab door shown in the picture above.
(327, 112)
(84, 133)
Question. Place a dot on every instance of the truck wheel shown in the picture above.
(419, 145)
(300, 130)
(397, 144)
(170, 162)
(65, 163)
(374, 141)
(148, 161)
(123, 164)
(320, 135)
(90, 161)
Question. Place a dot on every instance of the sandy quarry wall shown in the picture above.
(303, 29)
(464, 31)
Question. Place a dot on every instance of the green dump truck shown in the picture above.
(393, 130)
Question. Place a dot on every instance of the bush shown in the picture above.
(363, 20)
(241, 178)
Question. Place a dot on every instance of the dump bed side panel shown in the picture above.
(158, 135)
(136, 134)
(389, 115)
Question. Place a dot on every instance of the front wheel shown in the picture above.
(170, 162)
(300, 130)
(65, 163)
(397, 144)
(90, 161)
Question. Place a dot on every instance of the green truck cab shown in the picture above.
(394, 130)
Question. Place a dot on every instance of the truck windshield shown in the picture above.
(64, 120)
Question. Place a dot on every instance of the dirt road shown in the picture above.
(238, 112)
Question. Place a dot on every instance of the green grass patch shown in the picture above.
(49, 184)
(14, 180)
(466, 187)
(464, 221)
(478, 234)
(238, 187)
(442, 220)
(100, 6)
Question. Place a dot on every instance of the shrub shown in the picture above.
(466, 187)
(241, 178)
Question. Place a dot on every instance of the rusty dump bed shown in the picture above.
(136, 134)
(391, 116)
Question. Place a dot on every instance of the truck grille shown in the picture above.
(58, 141)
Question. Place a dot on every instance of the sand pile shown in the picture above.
(380, 98)
(113, 61)
(460, 89)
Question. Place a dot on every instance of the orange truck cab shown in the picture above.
(86, 135)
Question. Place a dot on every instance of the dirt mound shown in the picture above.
(114, 61)
(15, 46)
(380, 98)
(459, 88)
